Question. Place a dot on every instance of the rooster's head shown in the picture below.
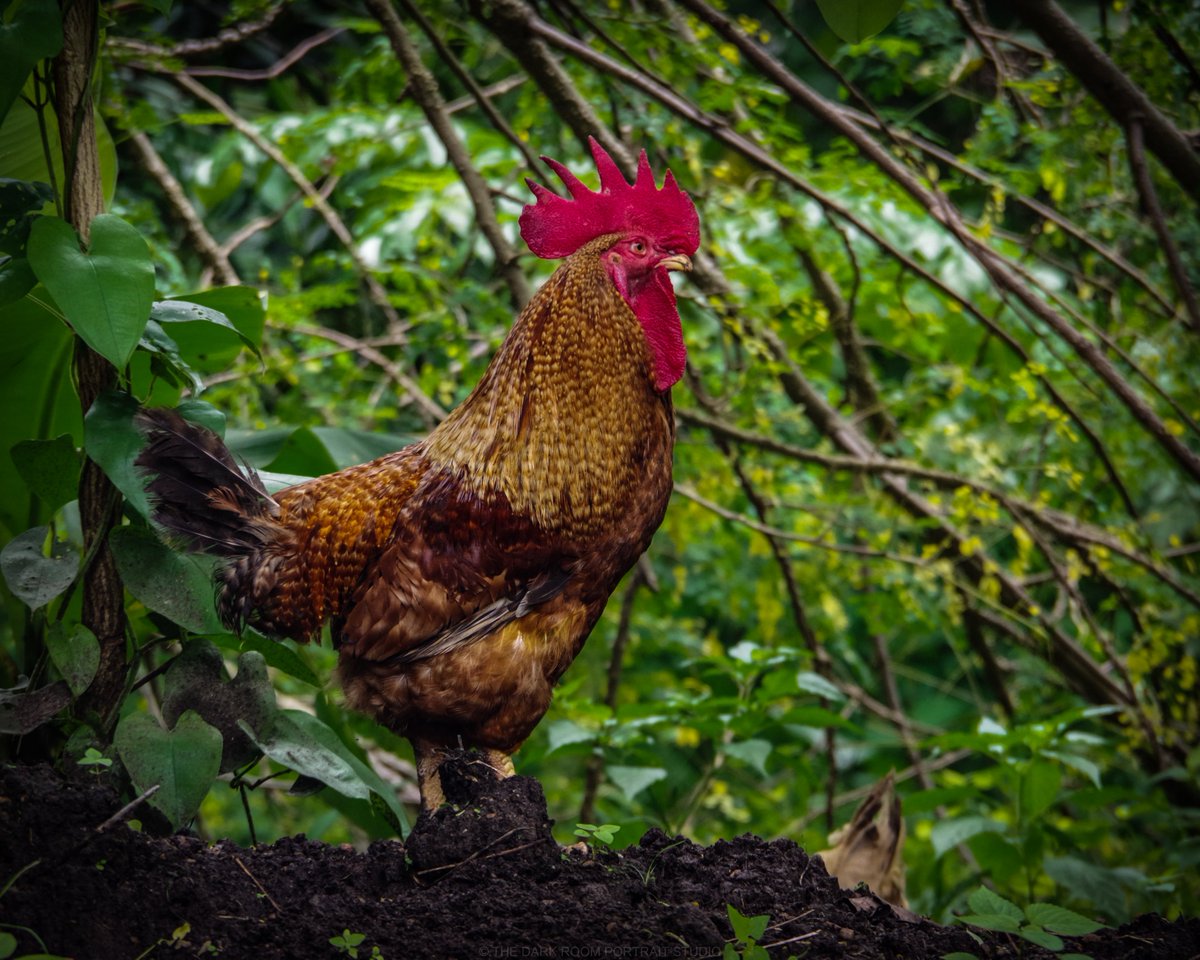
(654, 229)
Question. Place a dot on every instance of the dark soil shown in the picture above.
(484, 878)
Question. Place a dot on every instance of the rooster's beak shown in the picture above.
(679, 261)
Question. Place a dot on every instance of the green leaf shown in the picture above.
(179, 586)
(746, 929)
(166, 360)
(304, 454)
(1035, 934)
(563, 732)
(959, 955)
(753, 752)
(22, 156)
(111, 439)
(50, 468)
(197, 681)
(8, 945)
(210, 344)
(36, 395)
(105, 292)
(303, 743)
(1061, 920)
(1075, 762)
(947, 834)
(204, 335)
(33, 33)
(22, 202)
(1039, 788)
(992, 921)
(282, 657)
(811, 682)
(16, 280)
(855, 20)
(633, 780)
(987, 901)
(184, 762)
(33, 577)
(76, 654)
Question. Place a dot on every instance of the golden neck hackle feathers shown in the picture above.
(557, 423)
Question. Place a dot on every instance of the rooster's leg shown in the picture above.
(429, 758)
(501, 762)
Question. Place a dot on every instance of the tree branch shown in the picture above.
(1119, 95)
(1145, 186)
(425, 92)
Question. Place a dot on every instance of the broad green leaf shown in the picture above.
(1061, 920)
(633, 780)
(753, 751)
(212, 326)
(33, 577)
(1035, 934)
(1075, 762)
(303, 743)
(947, 834)
(304, 454)
(22, 156)
(282, 657)
(22, 202)
(855, 20)
(33, 33)
(989, 902)
(16, 280)
(1103, 887)
(992, 921)
(36, 395)
(106, 291)
(76, 654)
(1040, 784)
(811, 682)
(111, 439)
(166, 360)
(563, 732)
(184, 761)
(205, 337)
(179, 586)
(23, 710)
(197, 681)
(50, 468)
(818, 718)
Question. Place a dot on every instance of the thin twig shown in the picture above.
(126, 810)
(1145, 185)
(278, 67)
(262, 889)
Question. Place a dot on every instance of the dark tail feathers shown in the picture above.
(198, 491)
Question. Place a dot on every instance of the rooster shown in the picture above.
(461, 575)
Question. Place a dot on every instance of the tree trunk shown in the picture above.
(103, 597)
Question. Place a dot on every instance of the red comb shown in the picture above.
(555, 227)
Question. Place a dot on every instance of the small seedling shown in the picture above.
(95, 759)
(348, 943)
(597, 836)
(1038, 923)
(747, 931)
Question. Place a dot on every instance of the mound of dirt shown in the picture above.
(481, 878)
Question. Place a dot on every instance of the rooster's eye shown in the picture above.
(638, 247)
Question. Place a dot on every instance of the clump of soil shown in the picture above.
(481, 878)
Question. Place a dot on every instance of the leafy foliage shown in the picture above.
(915, 526)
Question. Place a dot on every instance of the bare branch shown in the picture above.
(278, 67)
(197, 233)
(1123, 99)
(424, 89)
(1145, 185)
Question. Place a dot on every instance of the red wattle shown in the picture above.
(654, 305)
